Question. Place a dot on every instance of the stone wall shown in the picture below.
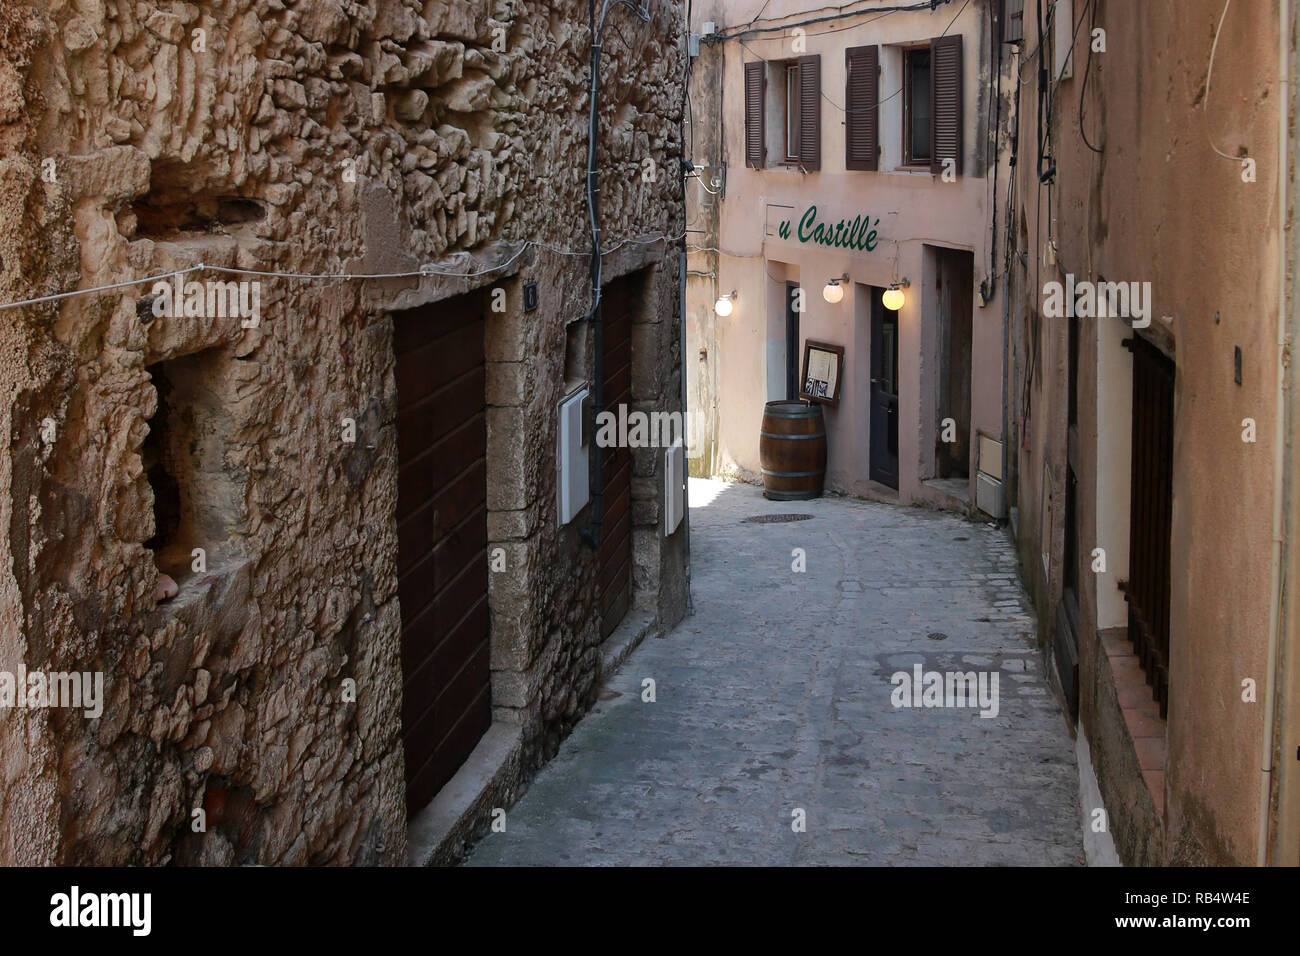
(313, 137)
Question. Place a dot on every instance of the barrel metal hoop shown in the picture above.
(793, 474)
(791, 437)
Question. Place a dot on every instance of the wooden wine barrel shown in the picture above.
(792, 451)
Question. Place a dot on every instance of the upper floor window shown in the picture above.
(791, 70)
(784, 128)
(916, 107)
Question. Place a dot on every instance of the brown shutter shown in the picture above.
(755, 134)
(945, 102)
(861, 99)
(810, 112)
(1013, 21)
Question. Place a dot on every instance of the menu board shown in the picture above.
(823, 370)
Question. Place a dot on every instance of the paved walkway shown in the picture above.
(775, 697)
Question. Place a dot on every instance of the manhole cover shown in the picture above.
(774, 519)
(937, 636)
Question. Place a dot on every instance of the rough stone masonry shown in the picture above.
(310, 137)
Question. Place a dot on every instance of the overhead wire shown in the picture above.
(1209, 75)
(778, 27)
(1083, 87)
(866, 109)
(423, 272)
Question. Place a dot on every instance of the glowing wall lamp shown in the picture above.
(893, 298)
(834, 292)
(725, 303)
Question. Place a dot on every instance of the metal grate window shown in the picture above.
(1151, 514)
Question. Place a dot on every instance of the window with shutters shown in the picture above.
(783, 113)
(929, 117)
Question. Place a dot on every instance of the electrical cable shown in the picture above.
(882, 11)
(104, 288)
(1083, 88)
(339, 276)
(997, 124)
(866, 109)
(591, 535)
(700, 180)
(1209, 75)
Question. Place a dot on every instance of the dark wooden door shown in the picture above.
(614, 557)
(955, 275)
(792, 359)
(884, 392)
(1151, 513)
(441, 540)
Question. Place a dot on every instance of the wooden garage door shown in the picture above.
(614, 559)
(441, 540)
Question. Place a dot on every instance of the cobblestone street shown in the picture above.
(775, 698)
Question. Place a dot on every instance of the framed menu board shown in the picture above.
(823, 372)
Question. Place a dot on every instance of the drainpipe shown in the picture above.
(591, 534)
(1282, 446)
(686, 418)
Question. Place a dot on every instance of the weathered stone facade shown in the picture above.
(1125, 196)
(322, 138)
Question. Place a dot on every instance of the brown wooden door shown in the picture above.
(441, 541)
(614, 557)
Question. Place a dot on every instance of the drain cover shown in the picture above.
(937, 636)
(774, 519)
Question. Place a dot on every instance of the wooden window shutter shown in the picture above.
(755, 134)
(1013, 21)
(861, 102)
(810, 112)
(945, 103)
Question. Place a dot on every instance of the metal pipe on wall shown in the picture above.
(1281, 444)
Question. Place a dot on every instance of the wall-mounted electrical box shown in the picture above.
(572, 489)
(674, 492)
(989, 492)
(1063, 39)
(988, 496)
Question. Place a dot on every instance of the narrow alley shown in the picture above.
(775, 697)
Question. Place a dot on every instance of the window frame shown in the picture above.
(793, 113)
(908, 159)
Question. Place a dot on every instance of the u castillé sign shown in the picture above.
(856, 233)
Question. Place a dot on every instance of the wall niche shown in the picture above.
(197, 494)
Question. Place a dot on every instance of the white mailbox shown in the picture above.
(674, 497)
(572, 487)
